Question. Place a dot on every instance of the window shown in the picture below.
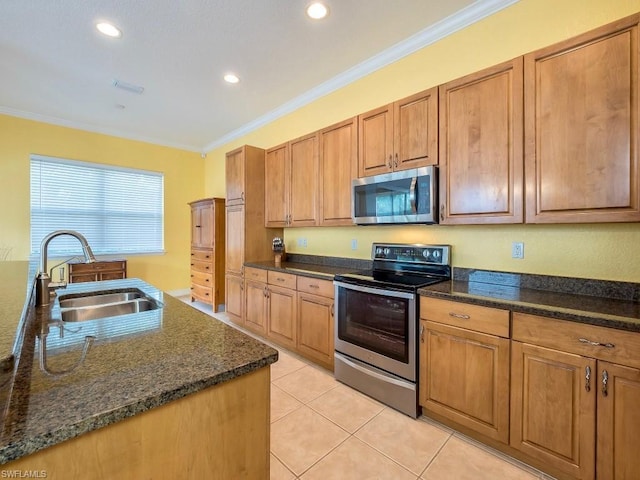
(118, 210)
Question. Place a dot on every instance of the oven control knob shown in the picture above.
(387, 251)
(426, 252)
(436, 254)
(378, 250)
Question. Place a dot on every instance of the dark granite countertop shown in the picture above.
(596, 302)
(326, 270)
(136, 362)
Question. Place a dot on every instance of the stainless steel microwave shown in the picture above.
(408, 196)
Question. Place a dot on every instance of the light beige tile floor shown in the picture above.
(322, 429)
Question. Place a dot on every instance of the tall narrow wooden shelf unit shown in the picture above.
(208, 251)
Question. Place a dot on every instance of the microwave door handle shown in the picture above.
(412, 194)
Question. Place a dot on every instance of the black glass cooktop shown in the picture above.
(398, 280)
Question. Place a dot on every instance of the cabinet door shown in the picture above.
(465, 377)
(481, 151)
(276, 186)
(338, 168)
(234, 259)
(315, 328)
(303, 199)
(255, 311)
(281, 323)
(415, 130)
(206, 225)
(618, 421)
(553, 408)
(581, 128)
(234, 297)
(234, 176)
(375, 141)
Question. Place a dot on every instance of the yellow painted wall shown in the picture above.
(182, 171)
(606, 251)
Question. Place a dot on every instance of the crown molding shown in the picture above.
(459, 20)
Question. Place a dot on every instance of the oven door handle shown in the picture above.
(371, 373)
(375, 291)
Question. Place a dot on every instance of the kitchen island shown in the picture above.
(166, 393)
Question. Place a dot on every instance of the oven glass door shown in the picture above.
(377, 326)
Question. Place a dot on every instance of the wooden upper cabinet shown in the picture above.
(581, 128)
(481, 149)
(399, 136)
(338, 168)
(276, 189)
(303, 196)
(234, 173)
(291, 183)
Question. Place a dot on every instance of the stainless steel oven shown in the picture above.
(377, 313)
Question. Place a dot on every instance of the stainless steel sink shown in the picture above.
(95, 305)
(97, 298)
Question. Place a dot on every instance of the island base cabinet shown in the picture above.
(465, 378)
(618, 422)
(553, 408)
(221, 432)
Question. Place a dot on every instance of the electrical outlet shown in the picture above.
(517, 250)
(354, 244)
(302, 242)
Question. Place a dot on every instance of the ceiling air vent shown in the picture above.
(129, 87)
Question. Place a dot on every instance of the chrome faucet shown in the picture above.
(43, 296)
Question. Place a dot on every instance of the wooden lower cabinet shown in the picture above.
(291, 310)
(618, 422)
(234, 294)
(281, 315)
(574, 405)
(464, 372)
(553, 409)
(315, 328)
(255, 306)
(466, 378)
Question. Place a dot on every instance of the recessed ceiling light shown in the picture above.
(109, 29)
(317, 10)
(231, 78)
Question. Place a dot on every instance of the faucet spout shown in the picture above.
(42, 288)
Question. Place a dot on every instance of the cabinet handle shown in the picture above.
(198, 226)
(242, 271)
(264, 292)
(390, 161)
(242, 196)
(396, 162)
(596, 344)
(605, 380)
(333, 306)
(587, 378)
(280, 279)
(459, 315)
(314, 286)
(421, 333)
(442, 212)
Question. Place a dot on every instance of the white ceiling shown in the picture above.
(55, 67)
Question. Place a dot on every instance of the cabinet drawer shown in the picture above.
(201, 267)
(201, 278)
(202, 255)
(204, 293)
(472, 317)
(609, 344)
(323, 288)
(281, 279)
(255, 274)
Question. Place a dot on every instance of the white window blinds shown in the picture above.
(118, 210)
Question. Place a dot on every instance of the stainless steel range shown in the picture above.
(377, 314)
